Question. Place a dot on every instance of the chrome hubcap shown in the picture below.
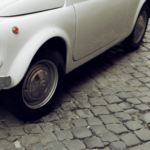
(40, 84)
(140, 27)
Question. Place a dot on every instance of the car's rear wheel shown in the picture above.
(136, 37)
(34, 96)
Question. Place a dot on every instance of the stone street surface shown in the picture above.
(104, 105)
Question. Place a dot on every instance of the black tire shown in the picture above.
(130, 44)
(13, 98)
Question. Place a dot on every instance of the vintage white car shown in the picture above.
(42, 40)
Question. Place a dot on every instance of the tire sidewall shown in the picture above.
(32, 114)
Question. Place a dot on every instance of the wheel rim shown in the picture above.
(140, 27)
(40, 84)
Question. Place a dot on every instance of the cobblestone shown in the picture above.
(133, 125)
(143, 134)
(47, 137)
(75, 145)
(100, 110)
(94, 121)
(97, 101)
(114, 108)
(104, 105)
(109, 119)
(130, 139)
(63, 135)
(117, 128)
(93, 142)
(112, 99)
(118, 145)
(81, 132)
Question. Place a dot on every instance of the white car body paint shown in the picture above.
(18, 50)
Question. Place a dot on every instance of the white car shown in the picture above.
(42, 40)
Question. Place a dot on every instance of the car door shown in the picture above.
(98, 23)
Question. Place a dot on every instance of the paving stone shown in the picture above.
(143, 135)
(79, 95)
(94, 121)
(100, 110)
(63, 135)
(131, 111)
(147, 73)
(130, 139)
(81, 132)
(141, 147)
(145, 118)
(12, 138)
(112, 99)
(5, 145)
(145, 99)
(129, 70)
(47, 127)
(134, 83)
(37, 146)
(124, 106)
(3, 134)
(27, 140)
(142, 69)
(124, 95)
(32, 128)
(47, 137)
(114, 108)
(106, 92)
(123, 116)
(51, 117)
(142, 107)
(97, 129)
(108, 137)
(137, 94)
(141, 89)
(84, 113)
(54, 145)
(127, 88)
(138, 75)
(14, 131)
(125, 77)
(68, 106)
(93, 142)
(134, 101)
(68, 115)
(79, 122)
(148, 85)
(83, 103)
(133, 125)
(117, 128)
(75, 145)
(119, 145)
(109, 119)
(63, 124)
(146, 93)
(145, 79)
(93, 94)
(15, 148)
(97, 101)
(117, 89)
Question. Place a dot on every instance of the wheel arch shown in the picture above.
(32, 48)
(139, 7)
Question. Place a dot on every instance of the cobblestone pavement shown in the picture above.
(105, 105)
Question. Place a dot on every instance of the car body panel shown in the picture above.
(18, 50)
(20, 7)
(98, 23)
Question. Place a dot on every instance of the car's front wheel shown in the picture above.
(134, 40)
(34, 96)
